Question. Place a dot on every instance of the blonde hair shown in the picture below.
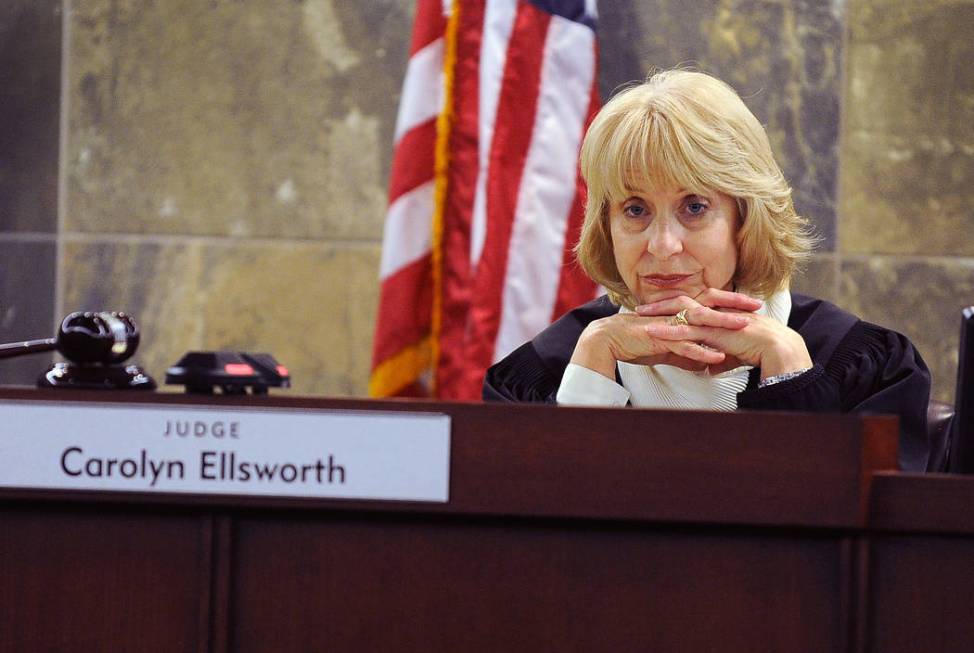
(688, 130)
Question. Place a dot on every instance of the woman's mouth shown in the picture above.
(666, 280)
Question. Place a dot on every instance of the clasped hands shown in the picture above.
(723, 332)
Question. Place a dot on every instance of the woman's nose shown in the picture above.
(664, 239)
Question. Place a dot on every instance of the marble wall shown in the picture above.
(218, 167)
(30, 88)
(905, 250)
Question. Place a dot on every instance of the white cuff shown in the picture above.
(584, 387)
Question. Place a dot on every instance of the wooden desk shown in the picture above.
(566, 529)
(921, 563)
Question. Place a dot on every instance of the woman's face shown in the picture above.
(672, 242)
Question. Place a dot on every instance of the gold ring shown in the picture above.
(680, 319)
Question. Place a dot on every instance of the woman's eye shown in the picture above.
(696, 207)
(634, 210)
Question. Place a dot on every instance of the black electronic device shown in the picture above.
(962, 426)
(95, 344)
(231, 372)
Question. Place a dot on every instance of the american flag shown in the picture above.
(485, 200)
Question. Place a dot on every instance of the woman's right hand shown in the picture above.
(624, 337)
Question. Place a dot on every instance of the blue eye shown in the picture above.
(695, 206)
(634, 210)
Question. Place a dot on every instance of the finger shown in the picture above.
(695, 352)
(671, 332)
(710, 318)
(715, 298)
(670, 306)
(703, 338)
(710, 298)
(703, 316)
(707, 337)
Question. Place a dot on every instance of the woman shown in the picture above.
(690, 227)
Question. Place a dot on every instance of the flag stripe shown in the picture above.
(406, 298)
(428, 24)
(509, 149)
(498, 24)
(413, 163)
(408, 230)
(547, 190)
(574, 283)
(422, 90)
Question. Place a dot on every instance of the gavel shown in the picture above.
(86, 338)
(94, 343)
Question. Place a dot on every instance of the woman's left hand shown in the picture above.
(764, 342)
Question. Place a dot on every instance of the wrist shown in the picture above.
(785, 359)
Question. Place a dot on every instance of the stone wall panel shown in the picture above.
(30, 91)
(311, 305)
(229, 118)
(919, 298)
(908, 141)
(26, 306)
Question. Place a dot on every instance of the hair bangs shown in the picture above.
(655, 154)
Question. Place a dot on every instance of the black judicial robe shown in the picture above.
(858, 367)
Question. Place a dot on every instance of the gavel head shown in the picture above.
(104, 337)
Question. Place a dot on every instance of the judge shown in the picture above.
(690, 227)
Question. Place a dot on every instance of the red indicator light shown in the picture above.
(281, 370)
(238, 369)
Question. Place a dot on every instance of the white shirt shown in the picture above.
(664, 386)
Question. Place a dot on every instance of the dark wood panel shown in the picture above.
(921, 595)
(929, 503)
(689, 466)
(75, 579)
(346, 583)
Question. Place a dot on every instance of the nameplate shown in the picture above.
(395, 456)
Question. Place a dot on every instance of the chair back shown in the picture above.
(940, 417)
